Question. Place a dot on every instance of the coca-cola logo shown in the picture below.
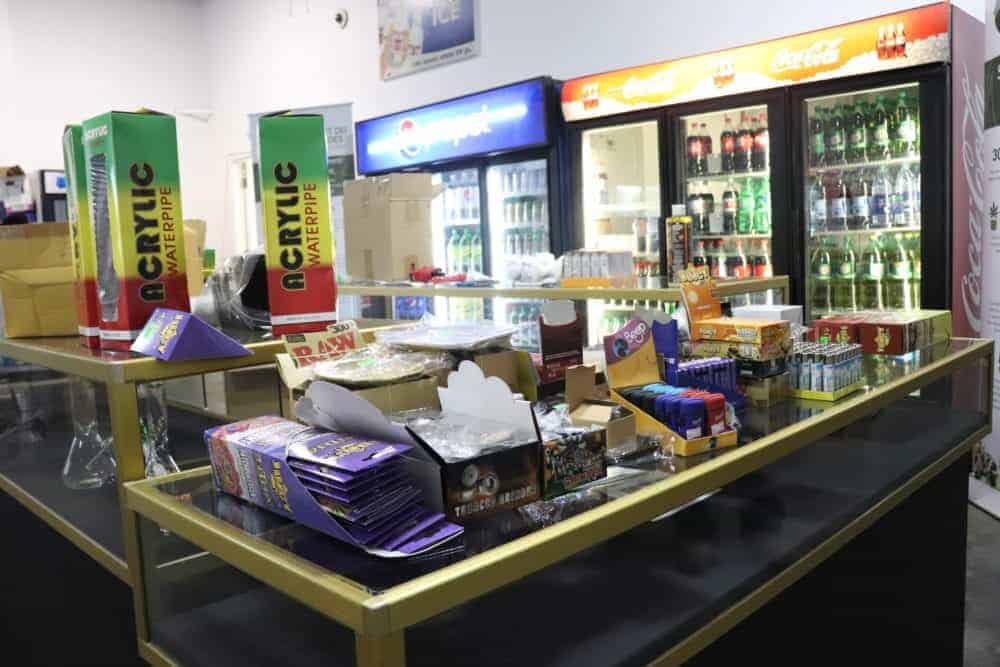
(823, 52)
(973, 168)
(658, 84)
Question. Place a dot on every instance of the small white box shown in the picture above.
(770, 312)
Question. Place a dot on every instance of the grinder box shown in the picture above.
(298, 232)
(81, 233)
(133, 187)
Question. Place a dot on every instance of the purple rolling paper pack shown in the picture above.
(250, 460)
(342, 480)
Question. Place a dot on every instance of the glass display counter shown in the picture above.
(657, 564)
(76, 423)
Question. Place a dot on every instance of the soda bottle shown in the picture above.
(694, 148)
(722, 260)
(845, 287)
(477, 253)
(727, 145)
(709, 199)
(878, 131)
(898, 290)
(744, 210)
(696, 210)
(817, 138)
(762, 207)
(879, 204)
(744, 144)
(857, 135)
(739, 262)
(818, 206)
(859, 193)
(455, 252)
(836, 136)
(729, 207)
(913, 248)
(760, 158)
(712, 259)
(706, 150)
(916, 194)
(838, 203)
(820, 269)
(904, 128)
(699, 258)
(762, 263)
(467, 251)
(903, 197)
(872, 275)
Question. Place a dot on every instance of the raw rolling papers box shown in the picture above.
(301, 281)
(134, 197)
(81, 238)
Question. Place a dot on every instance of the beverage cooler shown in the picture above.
(495, 156)
(872, 178)
(839, 157)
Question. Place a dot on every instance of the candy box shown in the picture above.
(345, 485)
(133, 190)
(743, 351)
(739, 330)
(572, 457)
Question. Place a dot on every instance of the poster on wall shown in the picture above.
(985, 487)
(414, 35)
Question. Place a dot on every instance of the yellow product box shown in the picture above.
(738, 330)
(746, 351)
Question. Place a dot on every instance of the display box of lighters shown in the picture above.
(692, 421)
(825, 371)
(133, 191)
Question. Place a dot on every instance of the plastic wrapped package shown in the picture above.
(379, 364)
(235, 296)
(434, 335)
(456, 437)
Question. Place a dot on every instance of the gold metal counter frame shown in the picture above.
(379, 620)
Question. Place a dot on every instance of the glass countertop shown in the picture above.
(375, 575)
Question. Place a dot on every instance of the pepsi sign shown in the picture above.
(501, 119)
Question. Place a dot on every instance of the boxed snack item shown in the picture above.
(134, 196)
(484, 442)
(742, 351)
(836, 329)
(298, 229)
(387, 223)
(739, 330)
(771, 312)
(891, 332)
(352, 486)
(37, 284)
(690, 421)
(81, 238)
(572, 457)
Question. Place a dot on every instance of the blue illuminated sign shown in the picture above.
(502, 119)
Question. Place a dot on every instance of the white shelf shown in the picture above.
(871, 230)
(735, 175)
(847, 166)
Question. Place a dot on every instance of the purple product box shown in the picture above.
(250, 460)
(175, 335)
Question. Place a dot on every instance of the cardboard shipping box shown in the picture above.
(37, 285)
(387, 225)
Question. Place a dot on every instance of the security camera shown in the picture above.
(340, 18)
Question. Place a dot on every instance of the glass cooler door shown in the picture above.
(457, 231)
(726, 188)
(862, 200)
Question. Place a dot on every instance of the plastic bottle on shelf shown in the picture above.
(473, 191)
(698, 257)
(904, 128)
(859, 193)
(762, 207)
(820, 270)
(694, 149)
(744, 144)
(477, 252)
(903, 198)
(836, 136)
(817, 137)
(913, 249)
(601, 176)
(845, 277)
(730, 198)
(762, 264)
(722, 260)
(879, 206)
(838, 203)
(706, 149)
(819, 206)
(917, 204)
(872, 274)
(878, 131)
(898, 290)
(696, 209)
(745, 208)
(857, 133)
(727, 145)
(739, 262)
(761, 157)
(709, 199)
(455, 251)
